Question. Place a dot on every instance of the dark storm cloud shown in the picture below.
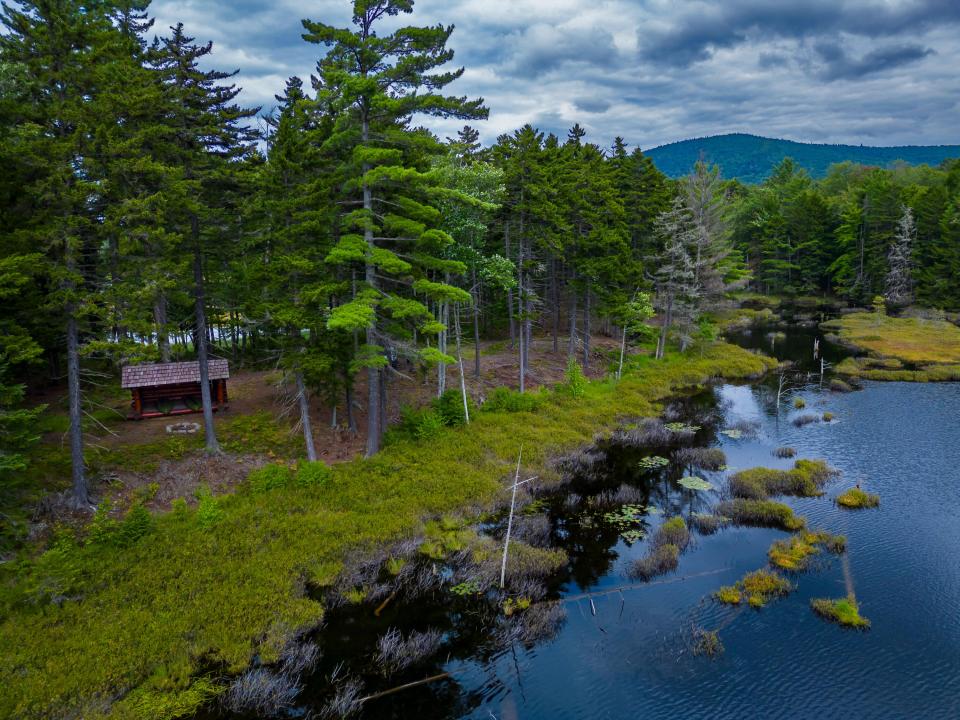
(839, 65)
(653, 71)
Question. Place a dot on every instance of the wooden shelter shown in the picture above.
(159, 389)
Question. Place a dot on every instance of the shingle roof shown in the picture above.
(153, 374)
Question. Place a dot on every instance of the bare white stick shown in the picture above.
(513, 504)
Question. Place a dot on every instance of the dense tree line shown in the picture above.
(143, 218)
(859, 233)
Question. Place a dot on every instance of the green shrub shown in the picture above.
(135, 525)
(503, 399)
(312, 474)
(450, 407)
(575, 380)
(208, 510)
(269, 477)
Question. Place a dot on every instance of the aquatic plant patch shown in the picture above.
(760, 513)
(805, 479)
(653, 462)
(844, 611)
(694, 483)
(857, 499)
(756, 588)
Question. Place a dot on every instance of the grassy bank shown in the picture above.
(907, 349)
(145, 618)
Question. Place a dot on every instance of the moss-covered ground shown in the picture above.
(931, 348)
(144, 617)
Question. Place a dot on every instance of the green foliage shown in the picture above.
(269, 477)
(209, 512)
(757, 588)
(450, 408)
(313, 474)
(504, 399)
(575, 380)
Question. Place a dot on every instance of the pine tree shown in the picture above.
(65, 49)
(674, 277)
(899, 280)
(205, 137)
(375, 84)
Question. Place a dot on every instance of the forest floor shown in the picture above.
(140, 461)
(126, 617)
(913, 349)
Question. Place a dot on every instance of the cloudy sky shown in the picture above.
(877, 72)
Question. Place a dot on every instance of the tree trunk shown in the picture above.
(374, 380)
(463, 380)
(506, 245)
(212, 445)
(476, 326)
(572, 343)
(305, 418)
(664, 329)
(555, 292)
(81, 493)
(522, 357)
(623, 350)
(351, 417)
(163, 334)
(586, 327)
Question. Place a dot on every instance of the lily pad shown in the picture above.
(695, 483)
(679, 427)
(633, 536)
(653, 462)
(732, 433)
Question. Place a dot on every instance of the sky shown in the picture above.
(872, 72)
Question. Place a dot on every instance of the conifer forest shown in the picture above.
(443, 392)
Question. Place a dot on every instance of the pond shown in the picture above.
(623, 648)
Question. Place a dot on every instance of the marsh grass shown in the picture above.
(712, 459)
(857, 499)
(706, 523)
(706, 643)
(756, 588)
(761, 513)
(659, 561)
(844, 611)
(805, 479)
(234, 583)
(910, 340)
(785, 453)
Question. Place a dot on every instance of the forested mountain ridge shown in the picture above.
(752, 158)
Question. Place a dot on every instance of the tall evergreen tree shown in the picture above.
(375, 84)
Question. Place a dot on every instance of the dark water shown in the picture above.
(626, 653)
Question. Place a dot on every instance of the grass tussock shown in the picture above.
(707, 523)
(845, 612)
(805, 479)
(712, 459)
(761, 513)
(794, 553)
(785, 453)
(806, 419)
(659, 561)
(857, 499)
(706, 643)
(271, 555)
(672, 532)
(756, 589)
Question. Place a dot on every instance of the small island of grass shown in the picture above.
(907, 349)
(857, 499)
(845, 612)
(757, 588)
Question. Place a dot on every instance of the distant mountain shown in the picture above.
(750, 158)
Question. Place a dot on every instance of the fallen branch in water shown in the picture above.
(405, 686)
